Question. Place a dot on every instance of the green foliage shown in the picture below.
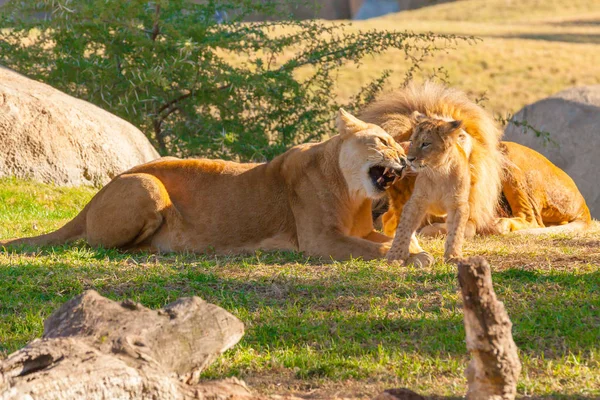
(193, 84)
(526, 127)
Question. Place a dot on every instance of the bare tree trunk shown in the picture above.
(95, 348)
(494, 368)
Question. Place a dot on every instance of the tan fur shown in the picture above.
(315, 198)
(439, 153)
(542, 197)
(484, 159)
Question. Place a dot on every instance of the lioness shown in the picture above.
(315, 198)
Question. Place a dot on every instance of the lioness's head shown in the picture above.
(370, 158)
(433, 141)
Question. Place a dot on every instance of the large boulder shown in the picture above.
(572, 118)
(52, 137)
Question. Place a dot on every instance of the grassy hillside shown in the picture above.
(530, 49)
(330, 330)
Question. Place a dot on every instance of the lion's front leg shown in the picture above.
(405, 238)
(457, 222)
(342, 247)
(377, 237)
(507, 225)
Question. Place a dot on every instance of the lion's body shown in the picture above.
(313, 198)
(539, 194)
(479, 166)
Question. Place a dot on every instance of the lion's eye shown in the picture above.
(425, 145)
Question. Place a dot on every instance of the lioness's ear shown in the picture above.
(349, 124)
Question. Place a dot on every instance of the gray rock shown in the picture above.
(572, 118)
(49, 136)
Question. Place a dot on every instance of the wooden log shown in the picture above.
(95, 348)
(494, 367)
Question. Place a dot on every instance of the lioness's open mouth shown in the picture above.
(383, 177)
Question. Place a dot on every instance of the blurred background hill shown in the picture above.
(530, 49)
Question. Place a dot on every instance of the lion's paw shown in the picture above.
(420, 260)
(433, 230)
(504, 226)
(395, 256)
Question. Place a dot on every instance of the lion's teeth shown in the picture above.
(386, 170)
(380, 180)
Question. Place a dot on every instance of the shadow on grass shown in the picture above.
(557, 37)
(269, 258)
(579, 22)
(352, 312)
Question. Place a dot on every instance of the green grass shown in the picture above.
(330, 329)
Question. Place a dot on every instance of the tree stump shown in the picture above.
(95, 348)
(494, 368)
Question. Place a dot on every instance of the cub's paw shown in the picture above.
(420, 260)
(453, 259)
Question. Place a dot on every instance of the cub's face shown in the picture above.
(432, 141)
(370, 158)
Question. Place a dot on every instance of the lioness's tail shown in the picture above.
(71, 231)
(571, 227)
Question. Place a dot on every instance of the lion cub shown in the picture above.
(439, 154)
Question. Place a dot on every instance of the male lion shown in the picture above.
(542, 197)
(458, 160)
(538, 196)
(315, 198)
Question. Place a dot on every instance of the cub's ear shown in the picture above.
(450, 127)
(348, 124)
